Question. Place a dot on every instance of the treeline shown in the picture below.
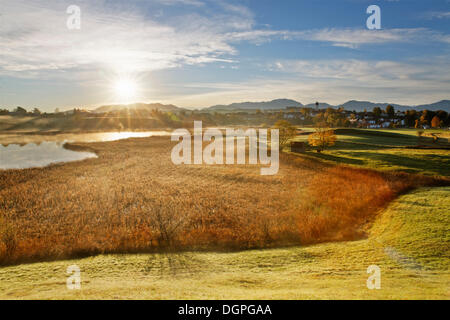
(433, 119)
(19, 111)
(338, 117)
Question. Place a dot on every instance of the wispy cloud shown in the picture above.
(196, 3)
(351, 38)
(334, 81)
(438, 15)
(372, 72)
(141, 37)
(34, 37)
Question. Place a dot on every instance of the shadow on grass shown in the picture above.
(345, 145)
(386, 139)
(438, 164)
(329, 157)
(423, 163)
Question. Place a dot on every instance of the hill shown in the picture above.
(349, 105)
(361, 105)
(137, 106)
(322, 105)
(267, 105)
(441, 105)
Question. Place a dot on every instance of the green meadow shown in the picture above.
(396, 149)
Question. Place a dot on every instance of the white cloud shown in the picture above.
(369, 71)
(438, 15)
(34, 42)
(351, 38)
(34, 37)
(334, 81)
(196, 3)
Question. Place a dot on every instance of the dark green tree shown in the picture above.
(390, 111)
(377, 112)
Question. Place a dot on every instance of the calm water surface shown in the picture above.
(30, 151)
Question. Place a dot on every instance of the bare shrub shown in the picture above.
(167, 220)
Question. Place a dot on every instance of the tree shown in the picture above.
(323, 137)
(377, 112)
(390, 111)
(426, 117)
(332, 117)
(319, 118)
(21, 111)
(36, 112)
(436, 122)
(306, 113)
(410, 118)
(444, 117)
(286, 132)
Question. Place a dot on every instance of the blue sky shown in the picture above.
(197, 53)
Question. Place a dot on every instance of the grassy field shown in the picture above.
(132, 198)
(152, 230)
(387, 150)
(409, 241)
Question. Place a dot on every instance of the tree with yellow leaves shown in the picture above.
(323, 137)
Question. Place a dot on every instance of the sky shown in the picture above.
(198, 53)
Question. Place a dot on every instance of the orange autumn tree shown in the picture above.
(323, 137)
(436, 122)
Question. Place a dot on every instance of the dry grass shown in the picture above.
(133, 199)
(409, 241)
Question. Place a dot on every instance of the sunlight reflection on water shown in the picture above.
(40, 150)
(42, 154)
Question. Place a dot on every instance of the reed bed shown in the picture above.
(133, 199)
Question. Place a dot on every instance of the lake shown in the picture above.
(30, 151)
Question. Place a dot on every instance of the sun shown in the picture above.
(125, 89)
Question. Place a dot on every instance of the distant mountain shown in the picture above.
(349, 105)
(322, 105)
(137, 106)
(361, 105)
(441, 105)
(267, 105)
(279, 104)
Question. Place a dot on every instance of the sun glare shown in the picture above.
(126, 90)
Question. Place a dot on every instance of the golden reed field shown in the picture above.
(133, 199)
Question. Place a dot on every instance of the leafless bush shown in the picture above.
(167, 221)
